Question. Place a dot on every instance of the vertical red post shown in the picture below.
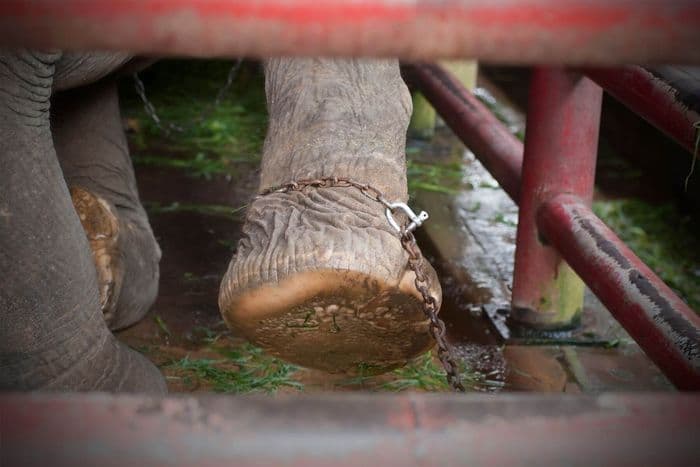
(561, 143)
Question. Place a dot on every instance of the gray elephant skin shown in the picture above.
(319, 277)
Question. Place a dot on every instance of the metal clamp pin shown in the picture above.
(416, 219)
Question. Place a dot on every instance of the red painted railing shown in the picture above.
(663, 325)
(350, 430)
(515, 31)
(564, 115)
(651, 99)
(43, 429)
(561, 146)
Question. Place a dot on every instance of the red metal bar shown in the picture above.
(663, 325)
(650, 98)
(495, 146)
(561, 142)
(515, 31)
(350, 430)
(666, 348)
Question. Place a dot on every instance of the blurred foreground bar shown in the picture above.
(350, 429)
(506, 31)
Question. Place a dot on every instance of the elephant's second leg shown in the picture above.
(93, 154)
(52, 334)
(320, 277)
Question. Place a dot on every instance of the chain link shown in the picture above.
(408, 240)
(169, 127)
(415, 262)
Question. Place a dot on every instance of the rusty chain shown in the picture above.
(415, 259)
(168, 127)
(408, 241)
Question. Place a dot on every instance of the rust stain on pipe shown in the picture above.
(650, 98)
(659, 321)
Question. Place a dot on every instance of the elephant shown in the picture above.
(319, 277)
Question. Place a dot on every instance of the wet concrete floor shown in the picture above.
(471, 238)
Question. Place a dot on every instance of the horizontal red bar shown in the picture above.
(350, 430)
(650, 98)
(515, 31)
(664, 326)
(676, 352)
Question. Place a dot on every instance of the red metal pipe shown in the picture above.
(494, 145)
(466, 118)
(561, 142)
(664, 326)
(515, 31)
(650, 98)
(350, 430)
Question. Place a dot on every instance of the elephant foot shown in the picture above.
(123, 255)
(114, 367)
(320, 279)
(89, 357)
(102, 229)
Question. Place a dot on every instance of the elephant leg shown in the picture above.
(94, 156)
(52, 334)
(320, 277)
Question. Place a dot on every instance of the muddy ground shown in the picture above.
(195, 185)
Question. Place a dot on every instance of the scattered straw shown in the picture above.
(696, 125)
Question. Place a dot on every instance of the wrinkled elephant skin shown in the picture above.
(319, 277)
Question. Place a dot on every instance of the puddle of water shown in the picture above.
(470, 240)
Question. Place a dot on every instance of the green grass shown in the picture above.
(201, 165)
(500, 218)
(423, 373)
(664, 238)
(245, 369)
(181, 91)
(433, 176)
